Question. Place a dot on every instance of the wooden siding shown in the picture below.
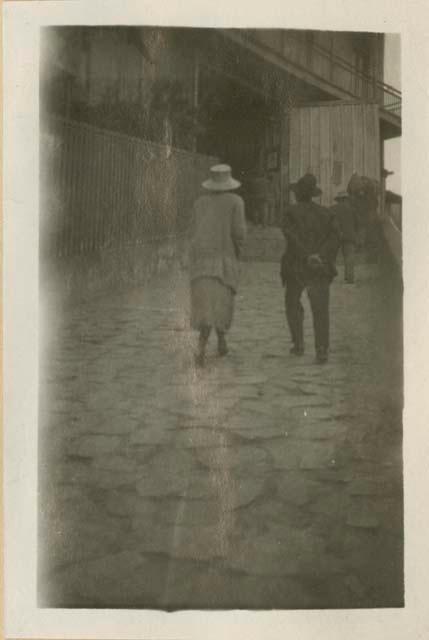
(332, 56)
(332, 141)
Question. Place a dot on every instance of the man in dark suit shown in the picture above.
(312, 241)
(347, 216)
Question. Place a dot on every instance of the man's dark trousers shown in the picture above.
(318, 294)
(348, 249)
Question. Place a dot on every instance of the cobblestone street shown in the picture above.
(263, 481)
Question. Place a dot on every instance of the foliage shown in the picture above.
(170, 104)
(167, 118)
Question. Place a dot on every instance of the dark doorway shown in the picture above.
(237, 124)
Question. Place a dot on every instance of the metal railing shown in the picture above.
(361, 85)
(335, 71)
(102, 190)
(392, 100)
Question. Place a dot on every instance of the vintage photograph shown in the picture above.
(221, 359)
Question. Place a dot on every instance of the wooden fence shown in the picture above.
(101, 189)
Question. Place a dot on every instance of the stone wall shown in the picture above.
(76, 279)
(80, 278)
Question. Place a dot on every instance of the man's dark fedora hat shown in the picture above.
(306, 185)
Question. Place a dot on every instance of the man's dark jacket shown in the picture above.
(309, 229)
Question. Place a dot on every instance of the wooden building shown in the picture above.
(301, 100)
(333, 141)
(277, 101)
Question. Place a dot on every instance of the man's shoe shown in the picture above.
(322, 356)
(200, 359)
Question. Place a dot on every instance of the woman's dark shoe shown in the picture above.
(200, 359)
(297, 351)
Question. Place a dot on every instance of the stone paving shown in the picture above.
(264, 481)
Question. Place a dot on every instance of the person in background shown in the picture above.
(218, 235)
(273, 195)
(245, 180)
(312, 241)
(348, 223)
(365, 192)
(260, 197)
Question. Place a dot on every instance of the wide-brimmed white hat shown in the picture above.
(221, 179)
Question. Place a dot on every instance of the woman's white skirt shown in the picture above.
(212, 304)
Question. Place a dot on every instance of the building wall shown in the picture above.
(337, 57)
(333, 142)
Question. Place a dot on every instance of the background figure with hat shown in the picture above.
(365, 195)
(218, 234)
(312, 241)
(347, 217)
(260, 189)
